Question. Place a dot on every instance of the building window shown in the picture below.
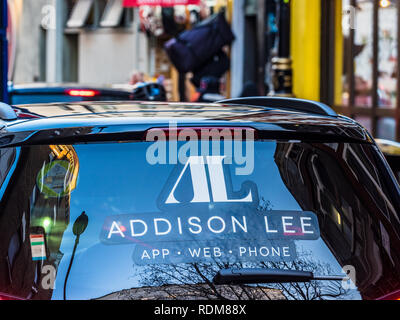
(367, 90)
(80, 14)
(99, 14)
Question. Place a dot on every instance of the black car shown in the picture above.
(391, 150)
(263, 198)
(49, 93)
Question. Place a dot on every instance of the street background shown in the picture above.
(341, 52)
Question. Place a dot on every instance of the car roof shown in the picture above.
(93, 118)
(146, 109)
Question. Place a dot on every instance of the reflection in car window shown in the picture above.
(17, 99)
(150, 233)
(8, 160)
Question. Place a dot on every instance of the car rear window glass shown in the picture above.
(106, 220)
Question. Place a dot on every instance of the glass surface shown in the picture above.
(387, 62)
(165, 230)
(363, 43)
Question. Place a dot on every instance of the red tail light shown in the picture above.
(82, 93)
(391, 296)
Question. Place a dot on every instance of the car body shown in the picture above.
(266, 199)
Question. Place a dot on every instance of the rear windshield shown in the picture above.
(128, 221)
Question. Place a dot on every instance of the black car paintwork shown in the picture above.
(68, 123)
(106, 121)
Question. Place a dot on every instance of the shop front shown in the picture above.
(345, 53)
(368, 87)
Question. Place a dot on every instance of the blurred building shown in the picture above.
(94, 41)
(341, 52)
(88, 41)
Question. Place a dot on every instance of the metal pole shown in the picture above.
(284, 29)
(237, 51)
(54, 44)
(4, 52)
(136, 34)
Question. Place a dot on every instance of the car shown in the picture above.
(256, 198)
(35, 93)
(47, 93)
(391, 150)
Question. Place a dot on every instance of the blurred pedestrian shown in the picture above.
(136, 77)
